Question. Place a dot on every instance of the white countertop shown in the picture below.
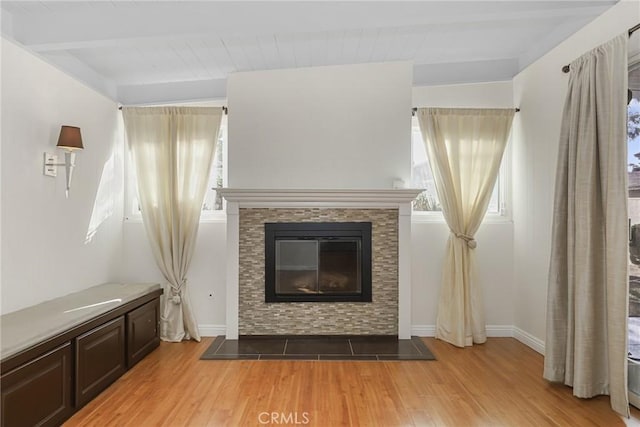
(24, 328)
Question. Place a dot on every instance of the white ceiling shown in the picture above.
(140, 52)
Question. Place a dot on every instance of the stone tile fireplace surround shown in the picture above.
(389, 212)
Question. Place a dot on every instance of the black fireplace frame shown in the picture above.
(310, 231)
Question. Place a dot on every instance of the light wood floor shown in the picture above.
(495, 384)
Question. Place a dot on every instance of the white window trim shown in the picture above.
(130, 214)
(220, 215)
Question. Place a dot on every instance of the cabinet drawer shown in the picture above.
(100, 359)
(142, 331)
(38, 393)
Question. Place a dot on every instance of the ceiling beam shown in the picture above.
(82, 72)
(6, 24)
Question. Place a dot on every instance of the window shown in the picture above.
(633, 173)
(213, 203)
(421, 177)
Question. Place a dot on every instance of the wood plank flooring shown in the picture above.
(498, 383)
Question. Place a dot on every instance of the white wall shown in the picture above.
(494, 261)
(472, 95)
(494, 254)
(44, 254)
(334, 127)
(207, 273)
(540, 92)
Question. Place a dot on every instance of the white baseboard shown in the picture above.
(501, 331)
(634, 383)
(212, 330)
(634, 399)
(423, 330)
(492, 331)
(529, 340)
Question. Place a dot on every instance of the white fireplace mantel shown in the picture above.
(320, 198)
(300, 197)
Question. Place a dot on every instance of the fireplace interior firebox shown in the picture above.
(318, 262)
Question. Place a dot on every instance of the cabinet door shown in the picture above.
(142, 331)
(100, 359)
(38, 393)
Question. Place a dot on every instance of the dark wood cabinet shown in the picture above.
(44, 384)
(38, 393)
(143, 326)
(100, 359)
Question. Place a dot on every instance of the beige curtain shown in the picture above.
(172, 150)
(587, 300)
(465, 148)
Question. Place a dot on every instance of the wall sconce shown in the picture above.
(69, 140)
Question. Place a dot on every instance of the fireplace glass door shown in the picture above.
(318, 266)
(318, 262)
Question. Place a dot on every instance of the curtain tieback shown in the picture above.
(471, 242)
(175, 295)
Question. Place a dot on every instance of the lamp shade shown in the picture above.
(70, 138)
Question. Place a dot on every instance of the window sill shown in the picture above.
(133, 219)
(437, 218)
(218, 217)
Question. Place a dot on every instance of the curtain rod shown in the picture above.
(224, 108)
(632, 30)
(414, 110)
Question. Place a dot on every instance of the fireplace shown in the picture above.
(318, 262)
(388, 211)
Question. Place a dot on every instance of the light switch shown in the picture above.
(49, 161)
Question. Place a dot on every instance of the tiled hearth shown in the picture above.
(389, 212)
(318, 348)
